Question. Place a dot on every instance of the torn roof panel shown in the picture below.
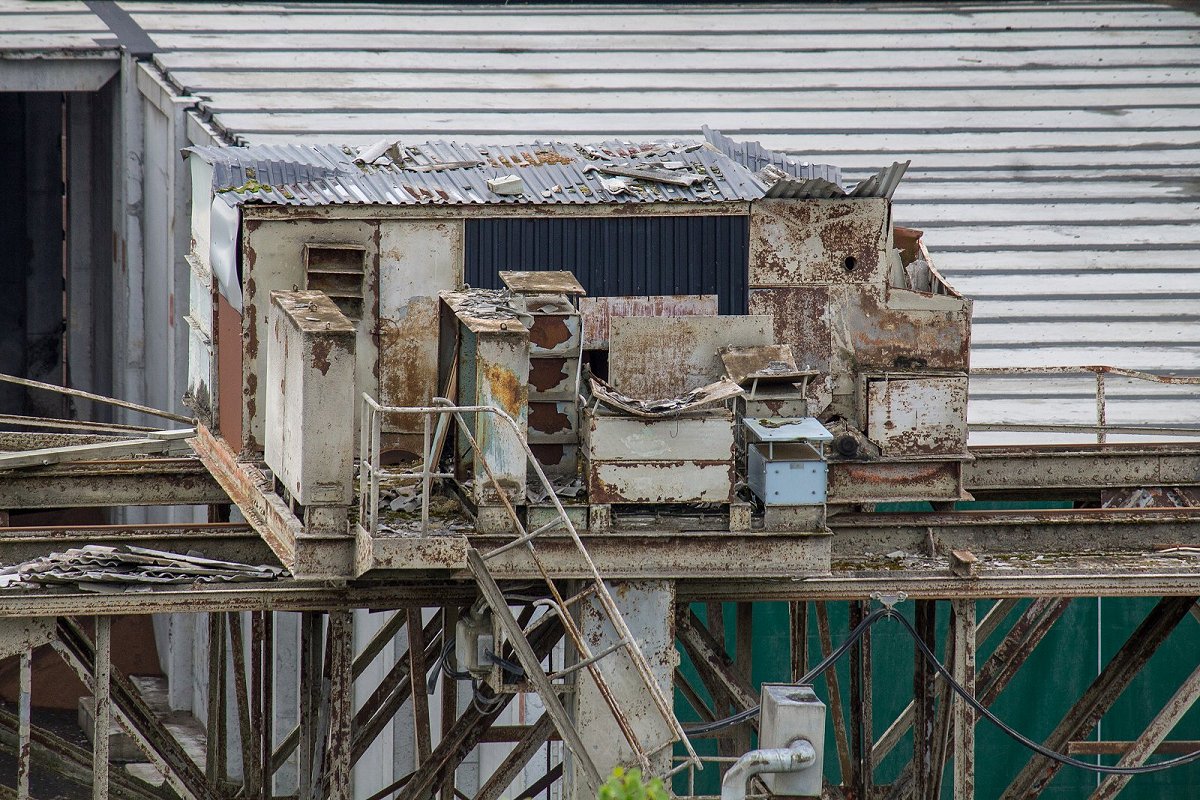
(755, 157)
(450, 173)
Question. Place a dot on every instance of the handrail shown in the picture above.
(1101, 428)
(369, 474)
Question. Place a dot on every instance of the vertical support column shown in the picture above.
(102, 690)
(861, 715)
(341, 704)
(311, 635)
(449, 698)
(648, 608)
(744, 661)
(215, 720)
(714, 618)
(798, 619)
(963, 613)
(924, 693)
(416, 671)
(23, 733)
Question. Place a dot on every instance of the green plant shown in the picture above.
(622, 785)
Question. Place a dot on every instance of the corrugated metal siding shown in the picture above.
(619, 255)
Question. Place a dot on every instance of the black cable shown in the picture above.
(1015, 735)
(805, 679)
(1020, 738)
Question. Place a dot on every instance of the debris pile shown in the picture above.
(113, 569)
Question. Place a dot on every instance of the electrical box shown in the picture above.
(474, 639)
(791, 712)
(785, 460)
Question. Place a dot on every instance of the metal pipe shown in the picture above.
(797, 756)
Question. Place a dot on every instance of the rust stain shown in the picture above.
(408, 358)
(547, 374)
(549, 331)
(887, 338)
(547, 418)
(504, 387)
(320, 355)
(817, 241)
(801, 321)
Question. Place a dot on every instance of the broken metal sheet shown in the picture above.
(599, 311)
(100, 567)
(646, 173)
(481, 309)
(721, 390)
(541, 282)
(781, 186)
(667, 356)
(373, 153)
(754, 156)
(883, 183)
(765, 364)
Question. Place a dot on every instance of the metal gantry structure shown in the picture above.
(1081, 552)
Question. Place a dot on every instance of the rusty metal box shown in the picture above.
(918, 415)
(682, 459)
(556, 328)
(310, 398)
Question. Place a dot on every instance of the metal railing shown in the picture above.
(433, 438)
(1101, 428)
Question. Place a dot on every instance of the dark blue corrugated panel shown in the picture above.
(615, 256)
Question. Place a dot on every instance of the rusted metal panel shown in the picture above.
(884, 482)
(501, 364)
(917, 416)
(660, 482)
(658, 357)
(822, 242)
(648, 607)
(417, 259)
(542, 282)
(879, 335)
(230, 396)
(556, 326)
(553, 421)
(310, 400)
(598, 311)
(552, 377)
(802, 320)
(273, 259)
(703, 436)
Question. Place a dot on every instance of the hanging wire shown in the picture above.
(967, 696)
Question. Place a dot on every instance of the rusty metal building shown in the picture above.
(1050, 174)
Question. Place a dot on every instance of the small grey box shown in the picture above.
(792, 474)
(791, 712)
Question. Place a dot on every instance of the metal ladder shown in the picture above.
(542, 682)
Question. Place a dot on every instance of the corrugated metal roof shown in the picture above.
(754, 156)
(1056, 159)
(448, 173)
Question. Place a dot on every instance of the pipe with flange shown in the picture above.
(797, 756)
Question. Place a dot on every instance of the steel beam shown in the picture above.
(711, 661)
(128, 482)
(223, 541)
(468, 730)
(962, 615)
(536, 736)
(1102, 693)
(1075, 531)
(102, 694)
(1155, 734)
(1078, 471)
(840, 734)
